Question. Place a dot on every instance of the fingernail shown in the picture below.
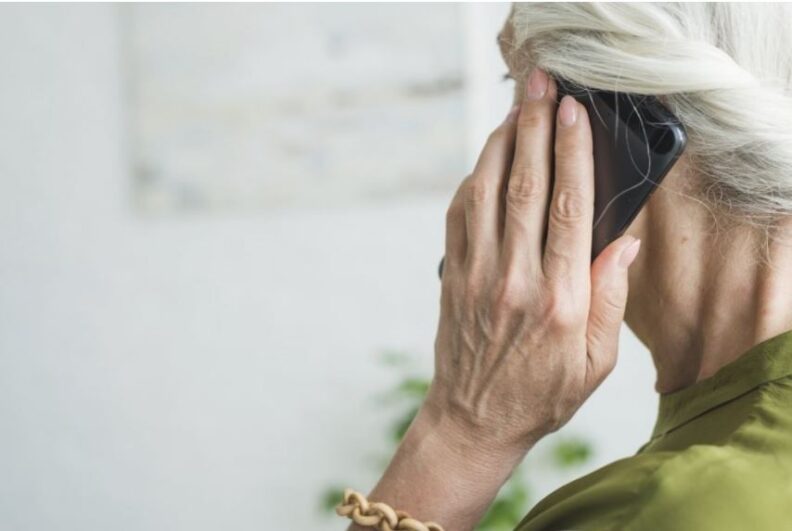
(629, 253)
(567, 111)
(512, 113)
(536, 86)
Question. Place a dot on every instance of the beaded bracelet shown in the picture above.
(379, 515)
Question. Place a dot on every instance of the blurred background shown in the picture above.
(220, 231)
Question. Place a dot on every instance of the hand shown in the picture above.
(528, 327)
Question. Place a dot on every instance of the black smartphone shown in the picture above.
(636, 139)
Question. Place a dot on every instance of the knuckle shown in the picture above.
(561, 312)
(473, 284)
(569, 206)
(509, 294)
(534, 118)
(476, 192)
(612, 304)
(453, 214)
(573, 154)
(560, 257)
(525, 187)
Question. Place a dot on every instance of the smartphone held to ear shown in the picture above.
(636, 141)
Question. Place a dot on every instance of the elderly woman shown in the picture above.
(529, 326)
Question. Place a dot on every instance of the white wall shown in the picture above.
(195, 372)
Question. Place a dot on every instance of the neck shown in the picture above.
(703, 298)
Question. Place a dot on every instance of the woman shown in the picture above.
(529, 329)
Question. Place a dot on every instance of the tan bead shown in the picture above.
(379, 515)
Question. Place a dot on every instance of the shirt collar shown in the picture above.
(764, 362)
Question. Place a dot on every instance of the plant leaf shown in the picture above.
(572, 452)
(331, 497)
(401, 425)
(414, 387)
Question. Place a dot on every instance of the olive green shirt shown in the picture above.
(719, 459)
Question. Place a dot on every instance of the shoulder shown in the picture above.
(714, 487)
(700, 488)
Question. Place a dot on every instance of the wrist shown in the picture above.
(469, 461)
(443, 473)
(477, 440)
(437, 475)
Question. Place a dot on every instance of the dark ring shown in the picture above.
(440, 268)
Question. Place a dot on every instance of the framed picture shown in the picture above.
(246, 106)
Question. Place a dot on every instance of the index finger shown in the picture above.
(567, 254)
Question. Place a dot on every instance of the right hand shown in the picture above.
(527, 330)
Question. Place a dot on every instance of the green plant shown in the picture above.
(513, 500)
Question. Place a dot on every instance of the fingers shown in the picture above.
(567, 254)
(609, 286)
(482, 194)
(529, 182)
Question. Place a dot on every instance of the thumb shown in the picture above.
(608, 300)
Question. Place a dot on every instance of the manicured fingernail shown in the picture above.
(629, 253)
(512, 113)
(567, 111)
(536, 87)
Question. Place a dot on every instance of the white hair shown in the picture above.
(724, 69)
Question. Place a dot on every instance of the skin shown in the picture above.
(690, 274)
(529, 327)
(692, 328)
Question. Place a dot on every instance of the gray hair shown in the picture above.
(723, 68)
